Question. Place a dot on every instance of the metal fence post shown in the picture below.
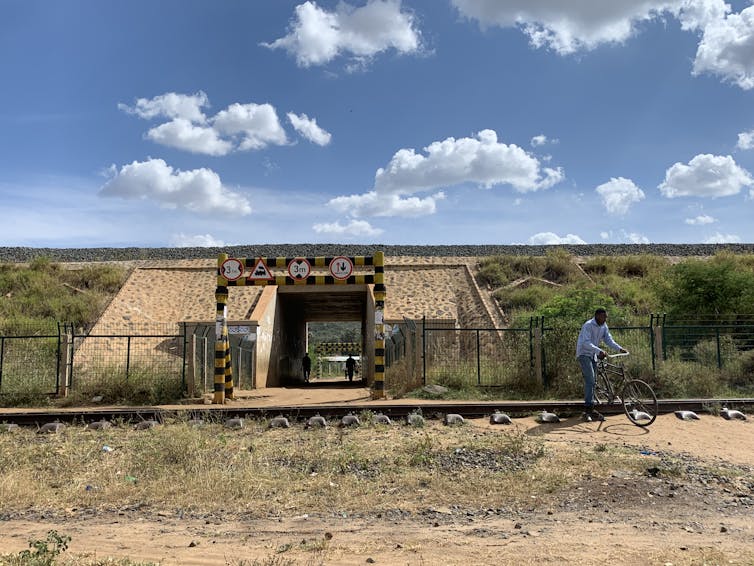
(2, 355)
(424, 350)
(61, 377)
(719, 357)
(183, 365)
(537, 347)
(478, 360)
(190, 359)
(128, 355)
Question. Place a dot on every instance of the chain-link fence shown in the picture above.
(143, 354)
(717, 355)
(30, 357)
(713, 341)
(47, 358)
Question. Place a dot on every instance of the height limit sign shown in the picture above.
(341, 267)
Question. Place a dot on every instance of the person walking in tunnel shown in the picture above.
(307, 365)
(350, 367)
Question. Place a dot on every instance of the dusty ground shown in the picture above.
(652, 517)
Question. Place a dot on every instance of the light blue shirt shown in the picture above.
(590, 337)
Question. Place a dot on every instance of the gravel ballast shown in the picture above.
(24, 254)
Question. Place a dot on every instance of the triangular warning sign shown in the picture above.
(261, 271)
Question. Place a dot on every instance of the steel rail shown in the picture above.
(428, 408)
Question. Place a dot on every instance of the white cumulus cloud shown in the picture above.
(746, 140)
(618, 194)
(198, 190)
(727, 49)
(536, 141)
(700, 220)
(375, 204)
(481, 160)
(551, 239)
(353, 228)
(239, 127)
(568, 27)
(182, 240)
(719, 238)
(705, 176)
(316, 36)
(182, 134)
(170, 105)
(256, 125)
(308, 128)
(634, 237)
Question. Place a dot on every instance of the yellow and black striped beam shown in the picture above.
(378, 389)
(221, 388)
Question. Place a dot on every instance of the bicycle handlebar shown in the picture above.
(611, 356)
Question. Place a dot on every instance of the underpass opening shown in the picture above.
(290, 301)
(300, 306)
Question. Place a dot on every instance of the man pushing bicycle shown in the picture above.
(588, 351)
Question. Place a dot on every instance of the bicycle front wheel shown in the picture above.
(639, 402)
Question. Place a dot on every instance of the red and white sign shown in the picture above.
(299, 268)
(261, 271)
(231, 269)
(341, 267)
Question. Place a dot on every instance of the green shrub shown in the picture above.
(677, 379)
(523, 299)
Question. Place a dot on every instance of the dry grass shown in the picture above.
(268, 472)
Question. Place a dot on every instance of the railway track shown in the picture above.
(429, 409)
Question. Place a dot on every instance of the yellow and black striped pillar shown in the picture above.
(221, 335)
(378, 389)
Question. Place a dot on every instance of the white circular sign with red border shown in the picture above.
(299, 268)
(341, 267)
(232, 269)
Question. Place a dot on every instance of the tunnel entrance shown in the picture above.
(346, 292)
(301, 308)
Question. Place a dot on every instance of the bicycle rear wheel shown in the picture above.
(639, 402)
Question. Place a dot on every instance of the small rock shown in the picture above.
(279, 422)
(415, 419)
(687, 415)
(350, 420)
(193, 543)
(434, 389)
(317, 421)
(99, 425)
(379, 418)
(236, 422)
(370, 560)
(97, 399)
(453, 419)
(146, 425)
(51, 428)
(500, 418)
(546, 417)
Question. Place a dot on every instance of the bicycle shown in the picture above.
(637, 397)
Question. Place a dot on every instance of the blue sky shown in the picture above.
(182, 122)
